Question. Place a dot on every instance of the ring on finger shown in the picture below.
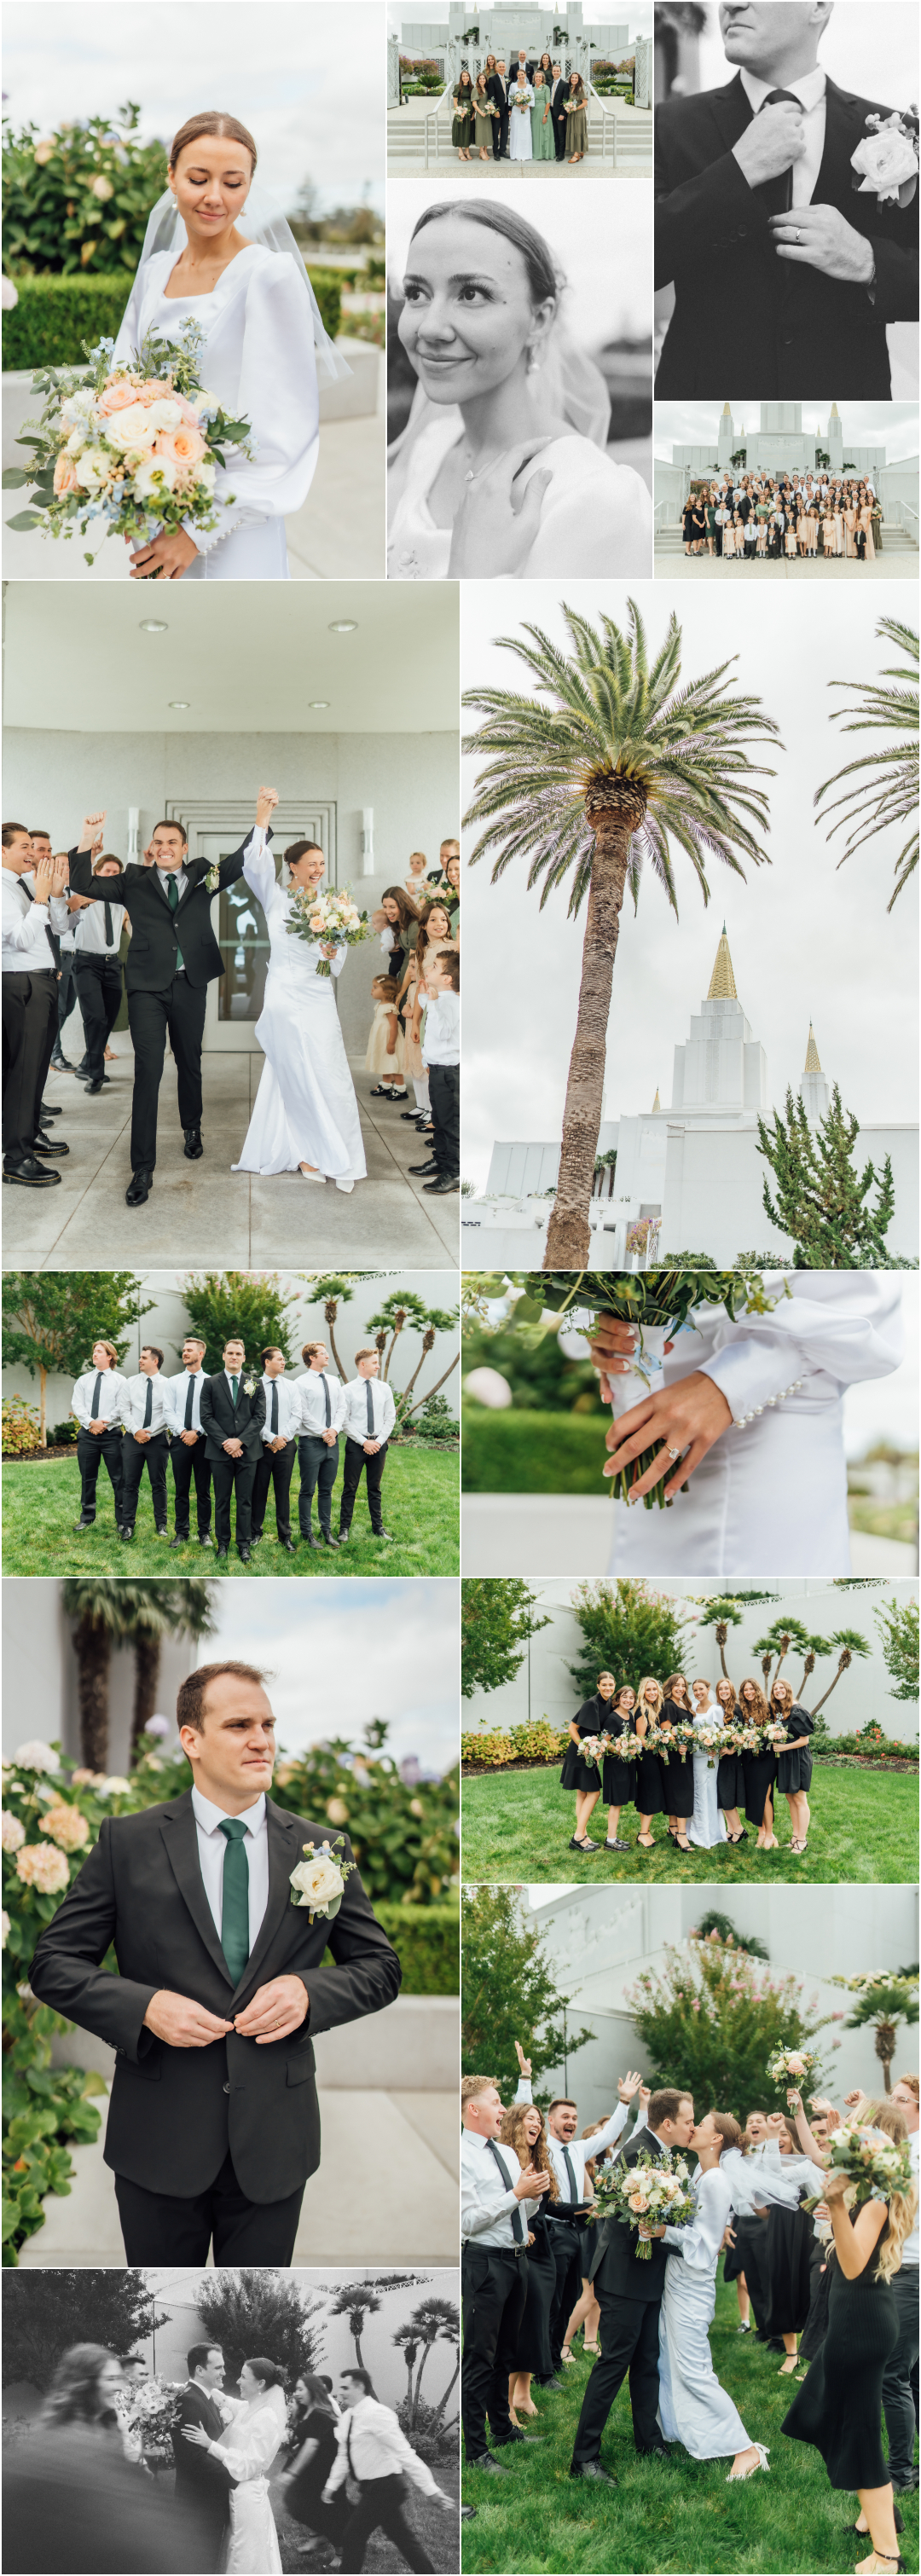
(674, 1454)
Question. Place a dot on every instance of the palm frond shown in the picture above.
(870, 806)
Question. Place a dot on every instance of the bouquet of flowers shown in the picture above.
(152, 2414)
(790, 2065)
(709, 1740)
(330, 919)
(644, 2196)
(592, 1748)
(133, 449)
(679, 1738)
(876, 2166)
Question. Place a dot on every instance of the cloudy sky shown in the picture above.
(892, 426)
(277, 66)
(341, 1653)
(405, 13)
(807, 940)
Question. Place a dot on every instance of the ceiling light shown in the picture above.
(181, 704)
(343, 625)
(318, 702)
(154, 626)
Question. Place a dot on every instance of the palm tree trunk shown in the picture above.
(722, 1633)
(94, 1656)
(843, 1662)
(433, 1390)
(885, 2050)
(569, 1233)
(808, 1667)
(440, 2408)
(42, 1404)
(146, 1680)
(330, 1311)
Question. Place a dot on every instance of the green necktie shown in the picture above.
(234, 1384)
(172, 897)
(235, 1899)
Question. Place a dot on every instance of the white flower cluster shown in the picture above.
(789, 2064)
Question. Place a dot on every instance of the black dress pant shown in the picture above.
(494, 2287)
(30, 1022)
(567, 2256)
(179, 1012)
(92, 1448)
(319, 1466)
(898, 2401)
(559, 132)
(136, 1454)
(629, 2342)
(502, 153)
(99, 992)
(381, 2508)
(276, 1468)
(186, 1465)
(355, 1460)
(233, 1476)
(444, 1094)
(751, 2246)
(67, 991)
(158, 2229)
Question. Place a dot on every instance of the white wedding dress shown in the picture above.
(595, 511)
(258, 358)
(255, 2435)
(707, 1825)
(305, 1109)
(519, 126)
(693, 2408)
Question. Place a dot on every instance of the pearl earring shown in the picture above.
(533, 360)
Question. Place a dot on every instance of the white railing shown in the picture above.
(659, 519)
(907, 519)
(432, 115)
(632, 147)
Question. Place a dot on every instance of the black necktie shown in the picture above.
(570, 2176)
(777, 194)
(370, 1405)
(53, 943)
(107, 910)
(348, 2447)
(514, 2214)
(329, 1409)
(148, 1405)
(94, 1407)
(274, 1422)
(189, 1402)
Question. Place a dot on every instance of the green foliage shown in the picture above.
(629, 1629)
(399, 1309)
(509, 1991)
(426, 1939)
(714, 1922)
(248, 1303)
(22, 1430)
(260, 2312)
(822, 1201)
(868, 808)
(897, 1622)
(709, 2019)
(56, 318)
(496, 1747)
(532, 1453)
(541, 1378)
(865, 1832)
(435, 1425)
(80, 194)
(41, 1505)
(404, 1839)
(498, 1616)
(44, 2314)
(50, 1324)
(327, 287)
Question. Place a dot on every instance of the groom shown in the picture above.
(202, 2482)
(213, 2125)
(232, 1416)
(173, 956)
(629, 2294)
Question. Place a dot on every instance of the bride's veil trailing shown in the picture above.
(263, 224)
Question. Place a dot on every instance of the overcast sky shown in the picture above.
(403, 13)
(275, 65)
(892, 426)
(806, 940)
(341, 1653)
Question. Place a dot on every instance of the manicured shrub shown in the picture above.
(533, 1453)
(55, 315)
(427, 1943)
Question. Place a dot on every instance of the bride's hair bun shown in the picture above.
(266, 2371)
(298, 850)
(211, 121)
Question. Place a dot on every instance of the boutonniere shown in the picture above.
(887, 161)
(319, 1879)
(213, 879)
(249, 1386)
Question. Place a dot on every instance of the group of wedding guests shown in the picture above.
(701, 1790)
(60, 951)
(765, 516)
(837, 2289)
(414, 1038)
(534, 113)
(236, 1435)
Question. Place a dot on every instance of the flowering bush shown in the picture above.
(134, 448)
(79, 197)
(492, 1749)
(712, 2019)
(20, 1427)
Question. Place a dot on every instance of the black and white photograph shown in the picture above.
(793, 488)
(516, 94)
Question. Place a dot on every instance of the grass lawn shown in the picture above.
(668, 2517)
(516, 1825)
(421, 1508)
(436, 2531)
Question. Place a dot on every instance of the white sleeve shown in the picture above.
(390, 1413)
(79, 1404)
(612, 2130)
(253, 2456)
(843, 1327)
(477, 2214)
(415, 2469)
(616, 527)
(259, 867)
(524, 2093)
(339, 1408)
(340, 2468)
(279, 397)
(60, 915)
(699, 2243)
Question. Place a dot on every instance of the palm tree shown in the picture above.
(357, 2300)
(851, 1643)
(893, 798)
(102, 1613)
(433, 2321)
(164, 1610)
(620, 765)
(407, 2340)
(886, 2002)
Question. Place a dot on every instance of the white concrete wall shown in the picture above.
(175, 2293)
(714, 1189)
(40, 1672)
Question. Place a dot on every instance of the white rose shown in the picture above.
(36, 1756)
(203, 402)
(154, 475)
(887, 161)
(78, 405)
(76, 442)
(204, 476)
(317, 1881)
(164, 414)
(93, 468)
(130, 428)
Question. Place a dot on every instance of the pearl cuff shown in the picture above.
(740, 1419)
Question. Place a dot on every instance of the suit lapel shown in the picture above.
(834, 179)
(284, 1853)
(730, 110)
(180, 1837)
(193, 878)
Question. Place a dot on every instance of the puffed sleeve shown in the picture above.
(832, 1331)
(594, 512)
(699, 2243)
(252, 2455)
(259, 867)
(279, 396)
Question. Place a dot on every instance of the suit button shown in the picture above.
(742, 234)
(226, 2088)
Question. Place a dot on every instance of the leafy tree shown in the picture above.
(261, 2311)
(877, 802)
(79, 198)
(603, 768)
(821, 1198)
(45, 2314)
(709, 2019)
(111, 1612)
(251, 1304)
(887, 2004)
(50, 1323)
(897, 1622)
(498, 1615)
(509, 1991)
(714, 1926)
(628, 1628)
(404, 1837)
(393, 1315)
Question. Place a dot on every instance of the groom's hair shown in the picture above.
(664, 2106)
(199, 2355)
(190, 1702)
(171, 823)
(363, 2375)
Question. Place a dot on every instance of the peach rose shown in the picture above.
(184, 446)
(65, 475)
(117, 396)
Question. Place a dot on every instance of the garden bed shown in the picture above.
(835, 1761)
(39, 1457)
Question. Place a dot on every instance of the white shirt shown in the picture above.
(581, 2151)
(910, 2244)
(212, 1846)
(289, 1410)
(355, 1414)
(133, 1404)
(111, 1387)
(811, 94)
(90, 928)
(310, 1390)
(173, 876)
(486, 2210)
(371, 2438)
(179, 1390)
(441, 1039)
(25, 949)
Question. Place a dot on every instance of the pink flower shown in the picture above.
(65, 475)
(184, 446)
(117, 394)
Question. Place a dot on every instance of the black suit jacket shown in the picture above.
(513, 75)
(219, 1422)
(496, 89)
(201, 2481)
(174, 2112)
(615, 2265)
(156, 932)
(779, 327)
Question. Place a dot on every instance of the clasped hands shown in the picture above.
(812, 236)
(275, 2011)
(687, 1417)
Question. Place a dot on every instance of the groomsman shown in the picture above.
(146, 1408)
(98, 974)
(322, 1405)
(233, 1412)
(498, 2203)
(370, 1414)
(34, 915)
(500, 123)
(188, 1457)
(279, 1446)
(96, 1402)
(558, 111)
(629, 2293)
(569, 2156)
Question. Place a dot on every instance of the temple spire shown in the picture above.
(656, 1104)
(812, 1064)
(722, 981)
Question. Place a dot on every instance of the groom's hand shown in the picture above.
(234, 1448)
(774, 139)
(181, 2023)
(276, 2010)
(92, 828)
(819, 237)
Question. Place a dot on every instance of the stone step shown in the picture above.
(895, 539)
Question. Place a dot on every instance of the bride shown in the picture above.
(215, 253)
(502, 468)
(305, 1117)
(255, 2434)
(693, 2408)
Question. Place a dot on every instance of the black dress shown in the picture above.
(794, 1770)
(591, 1719)
(839, 2406)
(616, 1776)
(648, 1794)
(759, 1772)
(676, 1769)
(532, 2342)
(730, 1773)
(822, 2267)
(788, 2245)
(688, 529)
(303, 2498)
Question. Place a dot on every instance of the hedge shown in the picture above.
(54, 316)
(427, 1943)
(533, 1453)
(493, 1748)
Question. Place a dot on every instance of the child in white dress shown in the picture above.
(384, 1053)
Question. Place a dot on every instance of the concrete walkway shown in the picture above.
(572, 1534)
(895, 563)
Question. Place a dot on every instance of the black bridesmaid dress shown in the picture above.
(838, 2408)
(785, 2272)
(759, 1772)
(616, 1776)
(730, 1773)
(794, 1770)
(676, 1769)
(532, 2342)
(591, 1719)
(647, 1791)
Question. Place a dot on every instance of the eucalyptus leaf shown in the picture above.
(14, 476)
(24, 521)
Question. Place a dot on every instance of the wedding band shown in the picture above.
(797, 237)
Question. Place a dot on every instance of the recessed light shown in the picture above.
(154, 626)
(318, 702)
(181, 704)
(343, 625)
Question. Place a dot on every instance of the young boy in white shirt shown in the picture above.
(441, 1057)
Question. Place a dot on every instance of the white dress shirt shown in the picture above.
(910, 2243)
(178, 1387)
(90, 929)
(311, 1392)
(486, 2210)
(177, 876)
(289, 1410)
(133, 1404)
(355, 1416)
(811, 94)
(25, 949)
(374, 2444)
(581, 2151)
(764, 2179)
(212, 1846)
(441, 1036)
(111, 1387)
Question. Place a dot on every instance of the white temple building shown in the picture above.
(468, 35)
(694, 1168)
(780, 444)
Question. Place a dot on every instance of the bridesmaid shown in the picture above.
(794, 1767)
(850, 525)
(865, 521)
(463, 116)
(648, 1794)
(524, 2130)
(576, 119)
(482, 117)
(677, 1767)
(616, 1783)
(730, 1776)
(759, 1769)
(585, 1777)
(688, 525)
(543, 145)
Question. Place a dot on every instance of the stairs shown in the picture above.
(895, 541)
(620, 141)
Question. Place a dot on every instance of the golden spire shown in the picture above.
(727, 408)
(656, 1104)
(722, 980)
(812, 1064)
(834, 411)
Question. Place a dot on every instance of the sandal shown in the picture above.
(788, 2366)
(854, 2527)
(595, 2348)
(646, 1841)
(682, 1843)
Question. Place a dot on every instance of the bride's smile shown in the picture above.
(468, 321)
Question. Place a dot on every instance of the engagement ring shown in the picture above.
(674, 1453)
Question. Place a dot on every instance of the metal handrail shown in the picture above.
(431, 118)
(608, 123)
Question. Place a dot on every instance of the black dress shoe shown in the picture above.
(468, 2513)
(553, 2386)
(245, 1554)
(47, 1145)
(181, 1542)
(423, 1167)
(139, 1189)
(126, 1536)
(222, 1556)
(310, 1541)
(382, 1533)
(193, 1148)
(60, 1062)
(205, 1539)
(441, 1189)
(92, 1088)
(491, 2468)
(82, 1525)
(162, 1533)
(654, 2451)
(49, 1109)
(330, 1541)
(593, 2469)
(532, 2440)
(31, 1174)
(256, 1538)
(288, 1545)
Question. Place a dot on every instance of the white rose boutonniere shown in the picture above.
(319, 1879)
(213, 879)
(249, 1386)
(887, 161)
